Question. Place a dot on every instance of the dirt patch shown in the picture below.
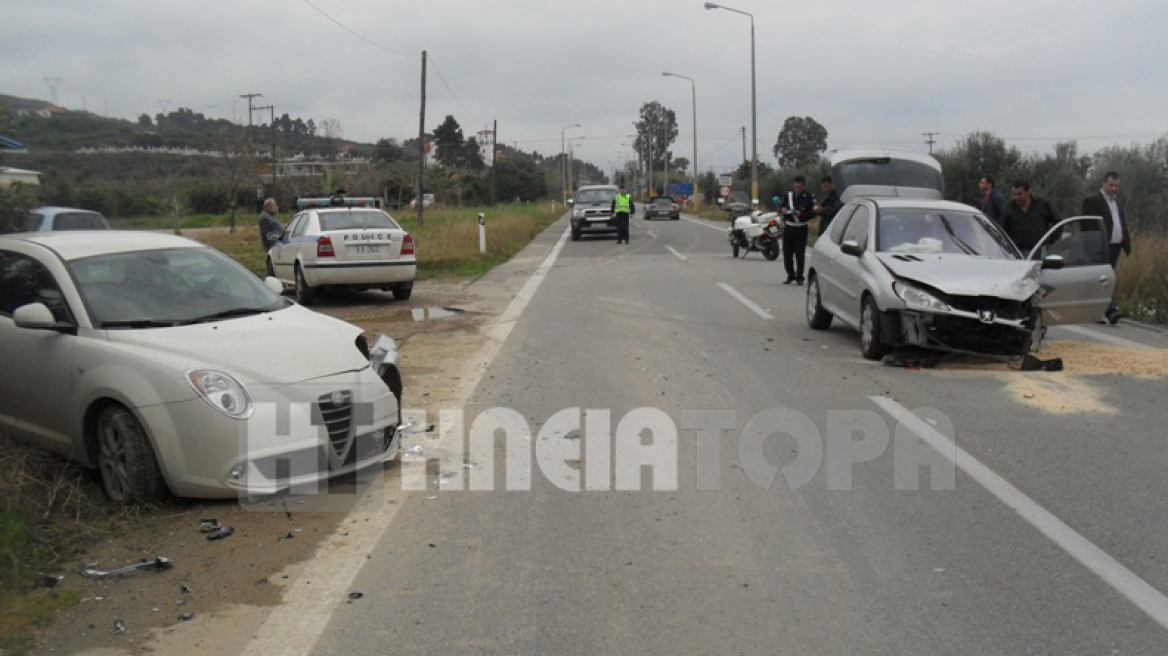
(1076, 389)
(231, 581)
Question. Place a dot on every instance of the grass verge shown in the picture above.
(49, 511)
(1142, 288)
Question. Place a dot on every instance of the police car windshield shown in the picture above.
(356, 220)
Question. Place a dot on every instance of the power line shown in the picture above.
(358, 35)
(442, 79)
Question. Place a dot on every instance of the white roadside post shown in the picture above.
(482, 232)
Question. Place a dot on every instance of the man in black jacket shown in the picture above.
(797, 209)
(270, 227)
(1028, 217)
(1106, 204)
(992, 201)
(830, 206)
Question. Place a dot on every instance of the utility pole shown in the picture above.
(929, 139)
(743, 130)
(53, 82)
(272, 129)
(422, 144)
(249, 97)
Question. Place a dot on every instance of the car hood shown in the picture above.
(288, 346)
(963, 275)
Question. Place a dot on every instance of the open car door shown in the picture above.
(1081, 290)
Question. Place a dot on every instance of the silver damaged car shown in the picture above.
(940, 275)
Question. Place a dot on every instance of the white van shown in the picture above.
(884, 173)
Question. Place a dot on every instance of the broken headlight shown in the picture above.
(918, 298)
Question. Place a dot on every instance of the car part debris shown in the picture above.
(50, 580)
(209, 525)
(223, 532)
(186, 617)
(119, 628)
(159, 563)
(356, 595)
(1031, 363)
(415, 450)
(184, 589)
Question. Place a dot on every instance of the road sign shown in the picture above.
(679, 189)
(724, 191)
(726, 179)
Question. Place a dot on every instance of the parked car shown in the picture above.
(881, 172)
(167, 365)
(940, 275)
(45, 219)
(353, 245)
(592, 210)
(663, 206)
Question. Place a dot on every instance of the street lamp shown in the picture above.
(753, 106)
(570, 158)
(563, 163)
(694, 96)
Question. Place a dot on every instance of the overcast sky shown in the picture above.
(873, 72)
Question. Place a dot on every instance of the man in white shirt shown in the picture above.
(1106, 204)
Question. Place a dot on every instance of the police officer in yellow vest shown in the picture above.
(622, 207)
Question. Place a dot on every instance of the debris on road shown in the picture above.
(356, 595)
(159, 563)
(50, 580)
(209, 525)
(222, 533)
(119, 628)
(186, 617)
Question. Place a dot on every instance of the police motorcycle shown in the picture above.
(757, 231)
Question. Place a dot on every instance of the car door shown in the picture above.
(36, 374)
(846, 272)
(284, 252)
(1081, 290)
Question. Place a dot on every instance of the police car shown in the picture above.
(343, 243)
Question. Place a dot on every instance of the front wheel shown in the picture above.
(872, 345)
(734, 247)
(817, 317)
(770, 250)
(125, 460)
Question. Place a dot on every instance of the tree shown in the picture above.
(517, 177)
(655, 132)
(800, 142)
(144, 121)
(449, 139)
(680, 164)
(978, 154)
(743, 170)
(388, 151)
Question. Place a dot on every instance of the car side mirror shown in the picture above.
(274, 285)
(571, 202)
(850, 247)
(34, 316)
(1053, 262)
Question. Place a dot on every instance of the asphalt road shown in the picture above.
(1049, 539)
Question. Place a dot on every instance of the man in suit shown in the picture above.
(992, 202)
(1106, 204)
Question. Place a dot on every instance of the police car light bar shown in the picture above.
(347, 201)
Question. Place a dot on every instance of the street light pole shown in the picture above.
(570, 158)
(753, 106)
(563, 162)
(694, 97)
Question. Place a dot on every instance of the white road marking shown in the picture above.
(1127, 583)
(1103, 337)
(652, 235)
(674, 251)
(706, 224)
(294, 627)
(746, 301)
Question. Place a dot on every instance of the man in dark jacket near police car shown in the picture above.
(797, 209)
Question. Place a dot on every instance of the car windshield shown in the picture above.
(662, 200)
(922, 230)
(147, 289)
(595, 195)
(356, 220)
(887, 172)
(738, 197)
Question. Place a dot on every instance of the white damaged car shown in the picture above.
(166, 365)
(940, 275)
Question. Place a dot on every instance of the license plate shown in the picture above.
(367, 248)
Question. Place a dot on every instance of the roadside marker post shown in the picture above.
(482, 232)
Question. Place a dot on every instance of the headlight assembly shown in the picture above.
(920, 299)
(223, 392)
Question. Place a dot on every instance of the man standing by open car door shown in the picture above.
(1106, 204)
(622, 207)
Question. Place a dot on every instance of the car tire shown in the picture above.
(734, 248)
(872, 345)
(125, 460)
(771, 251)
(575, 235)
(817, 317)
(675, 218)
(304, 293)
(403, 291)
